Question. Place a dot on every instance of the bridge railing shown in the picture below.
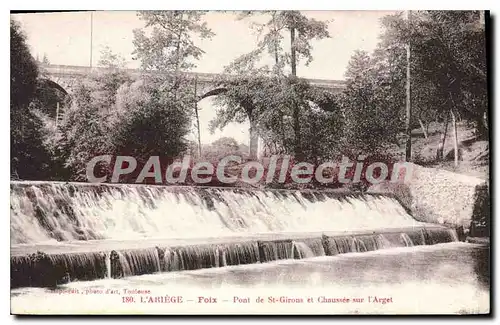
(70, 70)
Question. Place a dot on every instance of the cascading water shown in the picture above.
(41, 270)
(276, 250)
(235, 227)
(43, 212)
(206, 256)
(301, 250)
(135, 262)
(309, 247)
(108, 267)
(407, 240)
(241, 253)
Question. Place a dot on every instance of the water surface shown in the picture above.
(436, 279)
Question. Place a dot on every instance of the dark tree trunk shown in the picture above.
(482, 126)
(455, 135)
(408, 103)
(254, 139)
(196, 115)
(439, 153)
(296, 114)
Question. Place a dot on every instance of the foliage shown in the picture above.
(371, 118)
(166, 46)
(267, 100)
(91, 127)
(319, 116)
(134, 132)
(110, 60)
(48, 95)
(109, 113)
(221, 148)
(105, 84)
(170, 47)
(45, 59)
(273, 40)
(448, 73)
(112, 114)
(83, 132)
(29, 159)
(301, 30)
(226, 144)
(23, 69)
(448, 61)
(243, 98)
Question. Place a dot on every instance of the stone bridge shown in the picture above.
(66, 76)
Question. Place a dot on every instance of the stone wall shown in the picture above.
(443, 197)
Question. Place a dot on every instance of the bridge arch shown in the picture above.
(52, 84)
(248, 107)
(213, 92)
(319, 99)
(52, 97)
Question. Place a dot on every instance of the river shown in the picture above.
(401, 267)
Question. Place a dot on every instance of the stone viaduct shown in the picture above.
(64, 77)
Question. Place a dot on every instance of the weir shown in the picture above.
(64, 232)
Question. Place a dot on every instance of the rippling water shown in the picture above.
(81, 225)
(437, 279)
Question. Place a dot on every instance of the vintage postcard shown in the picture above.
(250, 162)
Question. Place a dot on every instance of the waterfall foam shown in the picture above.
(91, 232)
(48, 211)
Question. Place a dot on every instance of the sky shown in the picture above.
(65, 38)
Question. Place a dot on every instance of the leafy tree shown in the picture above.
(320, 119)
(267, 101)
(221, 148)
(322, 125)
(105, 83)
(358, 106)
(149, 123)
(23, 69)
(243, 97)
(170, 46)
(166, 46)
(85, 129)
(48, 96)
(448, 64)
(112, 114)
(459, 64)
(29, 159)
(83, 132)
(301, 31)
(166, 50)
(226, 144)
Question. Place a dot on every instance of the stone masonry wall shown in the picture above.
(439, 196)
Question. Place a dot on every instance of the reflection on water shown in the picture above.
(444, 278)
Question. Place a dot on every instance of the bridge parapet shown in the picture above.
(64, 73)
